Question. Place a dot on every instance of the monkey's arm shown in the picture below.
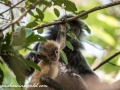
(61, 37)
(51, 83)
(116, 85)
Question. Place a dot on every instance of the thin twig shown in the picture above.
(12, 7)
(79, 15)
(113, 64)
(12, 17)
(5, 19)
(107, 60)
(2, 3)
(69, 19)
(23, 14)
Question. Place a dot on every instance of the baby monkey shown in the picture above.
(49, 53)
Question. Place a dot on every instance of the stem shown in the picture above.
(107, 60)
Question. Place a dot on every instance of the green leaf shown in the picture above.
(86, 27)
(63, 56)
(58, 2)
(33, 64)
(17, 64)
(72, 35)
(31, 24)
(1, 36)
(5, 1)
(1, 76)
(22, 32)
(68, 26)
(40, 30)
(28, 32)
(42, 38)
(22, 9)
(57, 13)
(1, 47)
(18, 37)
(27, 4)
(34, 38)
(39, 17)
(70, 6)
(18, 29)
(18, 23)
(31, 13)
(83, 17)
(49, 4)
(40, 13)
(1, 15)
(8, 39)
(63, 31)
(32, 1)
(69, 45)
(31, 39)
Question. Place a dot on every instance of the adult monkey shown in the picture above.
(77, 64)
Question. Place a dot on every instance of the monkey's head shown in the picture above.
(75, 27)
(49, 51)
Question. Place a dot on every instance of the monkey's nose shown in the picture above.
(55, 55)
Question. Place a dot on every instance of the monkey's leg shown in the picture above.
(51, 83)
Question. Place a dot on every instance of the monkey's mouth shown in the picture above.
(55, 59)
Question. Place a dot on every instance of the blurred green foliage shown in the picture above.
(105, 31)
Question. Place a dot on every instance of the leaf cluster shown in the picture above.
(22, 37)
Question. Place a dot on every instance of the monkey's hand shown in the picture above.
(51, 83)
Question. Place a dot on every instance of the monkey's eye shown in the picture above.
(51, 54)
(75, 29)
(56, 51)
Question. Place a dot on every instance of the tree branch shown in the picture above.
(5, 19)
(59, 22)
(23, 14)
(79, 15)
(107, 60)
(12, 7)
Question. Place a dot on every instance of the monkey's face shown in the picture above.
(49, 51)
(75, 30)
(53, 54)
(75, 27)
